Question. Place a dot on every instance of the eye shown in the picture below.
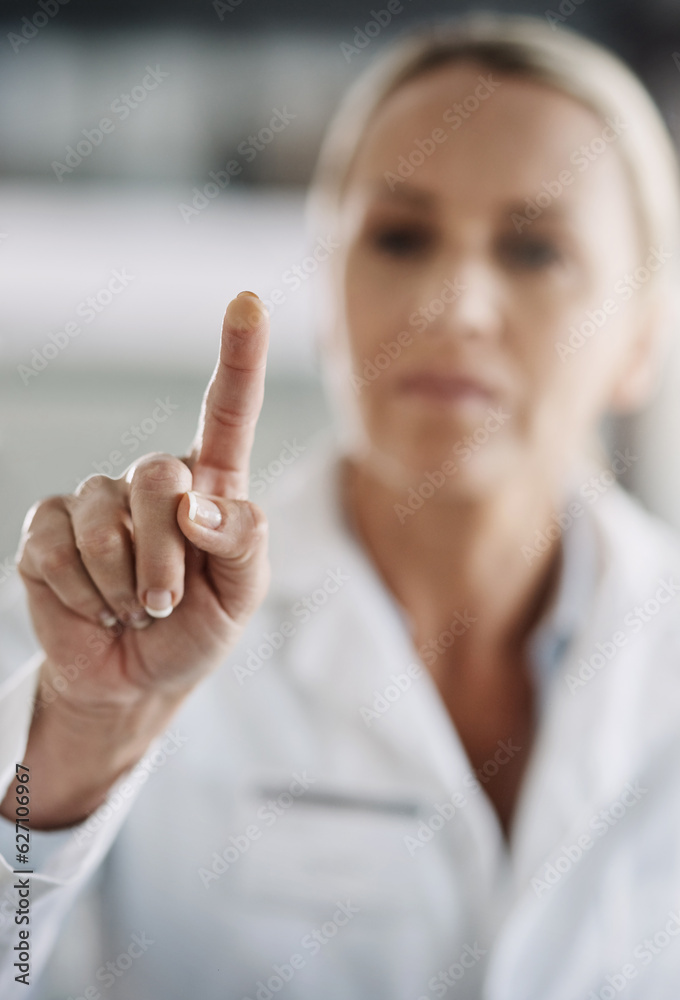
(532, 254)
(400, 240)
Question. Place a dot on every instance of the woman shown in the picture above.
(441, 758)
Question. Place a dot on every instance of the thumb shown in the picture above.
(233, 535)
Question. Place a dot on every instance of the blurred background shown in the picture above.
(184, 195)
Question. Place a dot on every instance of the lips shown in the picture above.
(448, 387)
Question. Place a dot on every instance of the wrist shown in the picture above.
(76, 753)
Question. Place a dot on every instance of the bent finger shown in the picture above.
(233, 534)
(156, 487)
(102, 531)
(50, 556)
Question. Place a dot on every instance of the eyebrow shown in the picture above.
(419, 196)
(415, 197)
(406, 193)
(555, 210)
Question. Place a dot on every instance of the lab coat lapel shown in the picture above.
(596, 740)
(595, 736)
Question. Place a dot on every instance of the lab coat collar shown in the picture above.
(609, 741)
(553, 634)
(613, 728)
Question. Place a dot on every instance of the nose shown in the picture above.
(467, 304)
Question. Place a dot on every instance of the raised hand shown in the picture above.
(139, 586)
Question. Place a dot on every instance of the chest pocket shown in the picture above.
(329, 844)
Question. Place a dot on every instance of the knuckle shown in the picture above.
(92, 484)
(254, 521)
(253, 530)
(56, 559)
(38, 529)
(161, 473)
(233, 417)
(41, 511)
(259, 518)
(100, 541)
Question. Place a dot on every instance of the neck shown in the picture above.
(461, 555)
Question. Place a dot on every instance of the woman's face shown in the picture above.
(457, 293)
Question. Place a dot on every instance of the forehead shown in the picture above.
(499, 137)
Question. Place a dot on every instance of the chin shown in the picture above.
(438, 470)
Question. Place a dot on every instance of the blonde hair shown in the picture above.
(527, 47)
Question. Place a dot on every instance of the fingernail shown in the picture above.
(133, 616)
(203, 511)
(158, 603)
(107, 619)
(139, 620)
(245, 312)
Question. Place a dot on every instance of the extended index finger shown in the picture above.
(233, 400)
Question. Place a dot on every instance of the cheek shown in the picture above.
(571, 361)
(597, 334)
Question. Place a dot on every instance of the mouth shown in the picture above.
(447, 388)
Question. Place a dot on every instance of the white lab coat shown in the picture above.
(380, 871)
